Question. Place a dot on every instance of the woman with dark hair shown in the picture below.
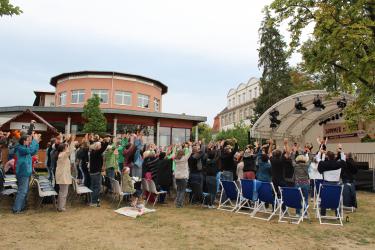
(264, 165)
(27, 147)
(348, 173)
(212, 169)
(164, 177)
(63, 175)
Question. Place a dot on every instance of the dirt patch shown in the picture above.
(83, 227)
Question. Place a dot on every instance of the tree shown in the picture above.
(341, 48)
(7, 9)
(275, 81)
(95, 120)
(239, 132)
(204, 132)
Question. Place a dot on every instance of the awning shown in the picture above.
(297, 125)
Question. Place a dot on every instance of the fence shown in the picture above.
(370, 158)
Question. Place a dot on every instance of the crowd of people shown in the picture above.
(197, 166)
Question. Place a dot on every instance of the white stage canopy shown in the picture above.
(295, 126)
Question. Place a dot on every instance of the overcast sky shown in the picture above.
(198, 48)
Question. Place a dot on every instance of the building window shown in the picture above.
(123, 98)
(78, 96)
(156, 105)
(164, 136)
(180, 135)
(241, 115)
(222, 121)
(229, 103)
(62, 99)
(243, 97)
(251, 94)
(102, 94)
(255, 92)
(143, 101)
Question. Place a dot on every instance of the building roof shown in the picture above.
(36, 116)
(105, 111)
(39, 93)
(55, 79)
(296, 125)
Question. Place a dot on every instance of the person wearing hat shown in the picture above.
(301, 176)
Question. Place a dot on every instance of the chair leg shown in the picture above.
(156, 200)
(120, 200)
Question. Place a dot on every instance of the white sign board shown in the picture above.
(25, 126)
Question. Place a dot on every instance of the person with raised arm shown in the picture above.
(27, 147)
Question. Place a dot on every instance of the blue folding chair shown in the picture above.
(232, 196)
(292, 197)
(266, 195)
(247, 199)
(330, 197)
(317, 184)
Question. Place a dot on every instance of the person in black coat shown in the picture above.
(348, 173)
(164, 177)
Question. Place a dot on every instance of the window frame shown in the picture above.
(141, 96)
(101, 91)
(123, 94)
(78, 93)
(60, 98)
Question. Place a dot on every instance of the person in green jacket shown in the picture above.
(120, 148)
(111, 160)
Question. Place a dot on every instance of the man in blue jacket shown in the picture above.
(27, 147)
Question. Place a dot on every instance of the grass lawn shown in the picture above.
(193, 227)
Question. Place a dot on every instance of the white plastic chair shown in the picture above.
(117, 192)
(81, 189)
(45, 193)
(153, 190)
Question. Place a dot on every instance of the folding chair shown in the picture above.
(145, 188)
(266, 194)
(204, 195)
(81, 189)
(153, 190)
(292, 197)
(117, 192)
(189, 196)
(330, 197)
(247, 196)
(45, 193)
(232, 194)
(317, 184)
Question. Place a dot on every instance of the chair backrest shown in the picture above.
(152, 186)
(230, 189)
(330, 196)
(292, 197)
(145, 185)
(318, 183)
(40, 192)
(266, 192)
(74, 180)
(116, 188)
(247, 189)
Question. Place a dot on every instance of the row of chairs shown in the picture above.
(254, 198)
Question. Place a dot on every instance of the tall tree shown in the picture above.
(275, 81)
(7, 9)
(341, 48)
(95, 120)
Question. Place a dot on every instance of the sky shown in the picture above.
(199, 49)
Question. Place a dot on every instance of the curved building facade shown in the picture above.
(116, 90)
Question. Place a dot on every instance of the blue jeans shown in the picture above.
(96, 181)
(305, 191)
(349, 194)
(110, 172)
(227, 176)
(181, 189)
(23, 190)
(211, 189)
(196, 184)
